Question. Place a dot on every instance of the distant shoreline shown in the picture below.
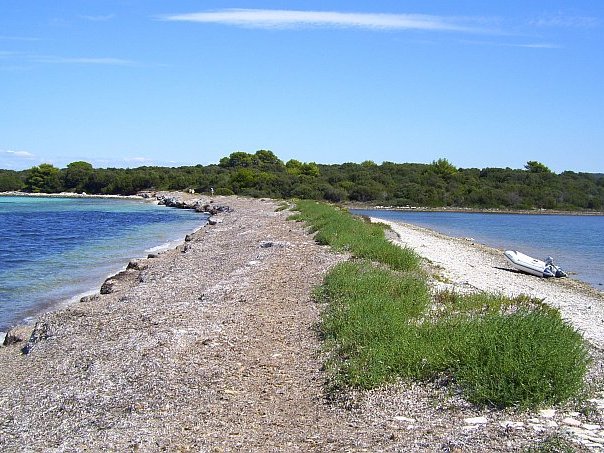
(473, 210)
(347, 205)
(71, 195)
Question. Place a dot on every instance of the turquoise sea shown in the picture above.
(56, 249)
(576, 242)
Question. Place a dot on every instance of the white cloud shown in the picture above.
(138, 160)
(104, 18)
(19, 154)
(82, 60)
(16, 160)
(562, 20)
(262, 18)
(538, 46)
(17, 38)
(55, 59)
(509, 44)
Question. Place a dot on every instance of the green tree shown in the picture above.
(10, 180)
(532, 166)
(43, 178)
(443, 167)
(77, 174)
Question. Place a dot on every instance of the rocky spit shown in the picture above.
(213, 346)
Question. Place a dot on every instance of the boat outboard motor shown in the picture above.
(551, 268)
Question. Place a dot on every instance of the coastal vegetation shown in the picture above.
(382, 323)
(263, 174)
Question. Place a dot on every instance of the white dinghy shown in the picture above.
(534, 266)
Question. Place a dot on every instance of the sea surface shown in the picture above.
(53, 250)
(575, 242)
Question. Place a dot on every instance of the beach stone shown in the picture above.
(476, 421)
(90, 298)
(571, 421)
(400, 418)
(40, 333)
(214, 220)
(107, 286)
(137, 265)
(17, 334)
(547, 413)
(188, 238)
(153, 255)
(511, 424)
(2, 337)
(590, 427)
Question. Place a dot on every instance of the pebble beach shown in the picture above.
(213, 346)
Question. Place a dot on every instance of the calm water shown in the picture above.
(55, 249)
(575, 242)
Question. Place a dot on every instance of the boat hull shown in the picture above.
(530, 265)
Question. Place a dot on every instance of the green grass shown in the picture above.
(553, 444)
(338, 229)
(381, 324)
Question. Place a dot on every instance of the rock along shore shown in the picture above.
(212, 346)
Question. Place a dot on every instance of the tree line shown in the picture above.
(263, 174)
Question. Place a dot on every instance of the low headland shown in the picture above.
(215, 345)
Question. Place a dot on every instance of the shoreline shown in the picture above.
(73, 195)
(31, 315)
(213, 345)
(535, 211)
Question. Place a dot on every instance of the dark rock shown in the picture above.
(137, 265)
(215, 209)
(17, 334)
(40, 333)
(90, 298)
(188, 238)
(214, 220)
(107, 286)
(153, 255)
(276, 244)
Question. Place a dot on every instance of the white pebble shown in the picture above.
(547, 413)
(476, 420)
(571, 421)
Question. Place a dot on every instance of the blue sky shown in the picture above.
(153, 82)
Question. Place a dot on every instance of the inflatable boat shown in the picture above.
(534, 266)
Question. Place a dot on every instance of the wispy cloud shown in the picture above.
(561, 20)
(15, 160)
(19, 154)
(17, 38)
(138, 160)
(103, 18)
(82, 60)
(535, 45)
(275, 19)
(55, 59)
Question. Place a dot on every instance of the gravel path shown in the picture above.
(213, 347)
